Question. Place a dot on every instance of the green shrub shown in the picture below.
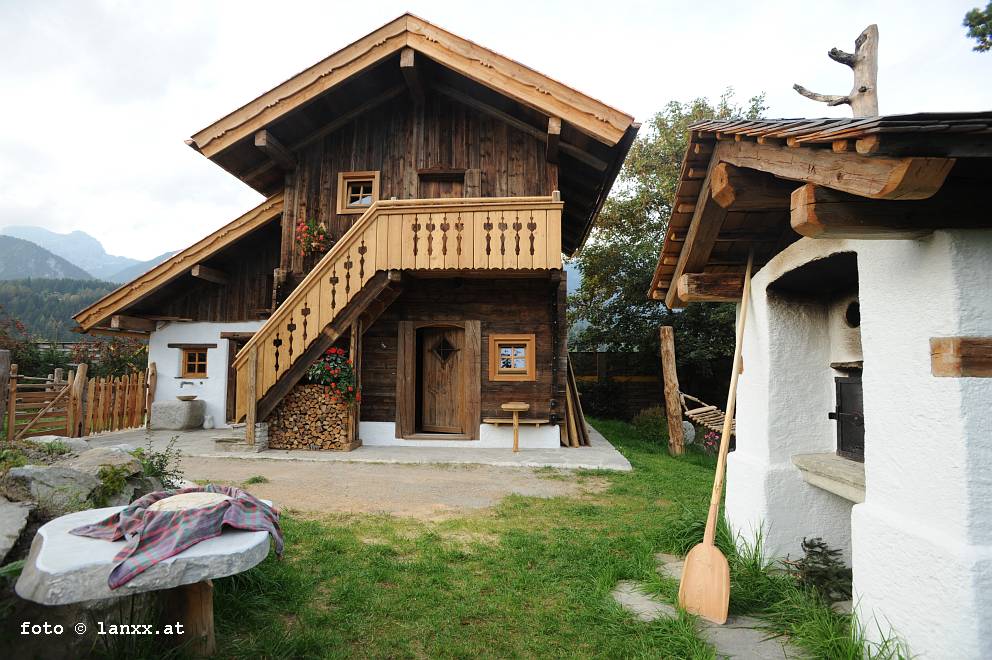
(11, 458)
(256, 479)
(113, 479)
(821, 569)
(652, 424)
(55, 448)
(164, 465)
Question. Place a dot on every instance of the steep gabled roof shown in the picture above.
(482, 65)
(591, 144)
(179, 264)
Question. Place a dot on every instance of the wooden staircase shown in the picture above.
(361, 275)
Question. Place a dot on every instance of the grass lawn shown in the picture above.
(529, 577)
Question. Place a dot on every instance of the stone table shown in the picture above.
(63, 568)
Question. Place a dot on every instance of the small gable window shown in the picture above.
(194, 363)
(357, 191)
(511, 357)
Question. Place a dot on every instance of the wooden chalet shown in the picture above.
(450, 180)
(863, 413)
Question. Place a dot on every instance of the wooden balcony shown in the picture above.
(457, 235)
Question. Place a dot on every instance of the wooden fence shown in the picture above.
(75, 405)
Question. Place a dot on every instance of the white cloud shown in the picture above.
(97, 97)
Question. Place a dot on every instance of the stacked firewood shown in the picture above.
(307, 418)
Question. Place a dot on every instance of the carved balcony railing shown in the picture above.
(514, 233)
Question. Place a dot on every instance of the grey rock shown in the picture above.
(843, 606)
(143, 485)
(63, 568)
(91, 461)
(670, 565)
(688, 432)
(77, 445)
(55, 488)
(177, 415)
(629, 596)
(13, 520)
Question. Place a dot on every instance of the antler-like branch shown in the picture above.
(829, 99)
(863, 98)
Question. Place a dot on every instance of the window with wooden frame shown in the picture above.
(511, 357)
(194, 363)
(357, 191)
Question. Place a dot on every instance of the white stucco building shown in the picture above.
(864, 410)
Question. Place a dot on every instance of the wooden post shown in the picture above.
(11, 402)
(355, 353)
(74, 412)
(251, 372)
(4, 382)
(192, 605)
(673, 404)
(152, 383)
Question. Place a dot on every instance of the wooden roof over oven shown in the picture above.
(762, 184)
(256, 142)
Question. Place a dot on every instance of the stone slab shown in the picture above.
(670, 565)
(836, 474)
(63, 568)
(600, 455)
(13, 520)
(77, 445)
(178, 415)
(628, 595)
(93, 460)
(741, 637)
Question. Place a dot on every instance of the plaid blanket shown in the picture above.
(153, 536)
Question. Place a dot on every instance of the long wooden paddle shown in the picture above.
(705, 585)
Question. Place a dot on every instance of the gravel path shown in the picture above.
(427, 492)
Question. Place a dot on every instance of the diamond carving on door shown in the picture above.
(444, 350)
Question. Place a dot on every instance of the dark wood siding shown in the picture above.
(502, 306)
(249, 265)
(399, 139)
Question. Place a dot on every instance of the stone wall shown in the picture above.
(308, 419)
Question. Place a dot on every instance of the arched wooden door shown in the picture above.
(441, 389)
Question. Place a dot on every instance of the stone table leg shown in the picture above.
(192, 605)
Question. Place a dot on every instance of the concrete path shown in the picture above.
(740, 637)
(599, 455)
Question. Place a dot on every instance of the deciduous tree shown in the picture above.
(611, 309)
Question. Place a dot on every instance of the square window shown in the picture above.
(357, 191)
(194, 363)
(511, 358)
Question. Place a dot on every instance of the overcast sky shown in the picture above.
(97, 97)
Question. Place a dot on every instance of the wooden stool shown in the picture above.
(516, 407)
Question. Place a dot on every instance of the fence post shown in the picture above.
(12, 403)
(4, 382)
(150, 396)
(69, 420)
(75, 407)
(673, 405)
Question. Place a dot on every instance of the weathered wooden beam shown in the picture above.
(554, 136)
(961, 357)
(133, 323)
(738, 189)
(820, 212)
(673, 401)
(414, 82)
(275, 150)
(707, 219)
(214, 275)
(110, 332)
(876, 178)
(711, 287)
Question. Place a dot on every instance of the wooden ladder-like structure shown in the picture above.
(362, 274)
(706, 415)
